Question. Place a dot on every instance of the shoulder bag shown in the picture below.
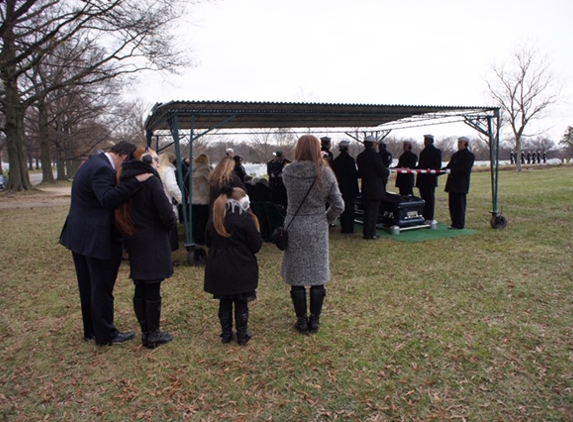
(280, 235)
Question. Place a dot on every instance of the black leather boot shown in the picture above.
(298, 297)
(317, 295)
(226, 319)
(154, 336)
(140, 314)
(242, 322)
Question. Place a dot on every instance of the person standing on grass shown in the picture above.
(372, 174)
(223, 175)
(408, 160)
(458, 183)
(430, 158)
(146, 221)
(344, 167)
(232, 272)
(96, 244)
(200, 197)
(166, 172)
(310, 185)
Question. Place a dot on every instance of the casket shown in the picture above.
(403, 211)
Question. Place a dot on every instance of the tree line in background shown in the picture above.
(257, 148)
(66, 65)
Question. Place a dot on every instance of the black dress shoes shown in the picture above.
(120, 338)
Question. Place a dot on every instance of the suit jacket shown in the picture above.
(407, 160)
(90, 226)
(460, 165)
(373, 173)
(345, 169)
(430, 158)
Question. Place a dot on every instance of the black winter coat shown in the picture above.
(460, 166)
(232, 266)
(152, 214)
(373, 174)
(407, 160)
(347, 175)
(430, 158)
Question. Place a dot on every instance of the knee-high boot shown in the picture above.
(299, 301)
(154, 336)
(140, 314)
(317, 295)
(226, 319)
(242, 322)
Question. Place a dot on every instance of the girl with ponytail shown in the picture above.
(232, 271)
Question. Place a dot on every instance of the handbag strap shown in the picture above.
(304, 199)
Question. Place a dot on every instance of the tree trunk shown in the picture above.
(14, 112)
(19, 179)
(47, 173)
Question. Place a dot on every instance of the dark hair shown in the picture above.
(123, 148)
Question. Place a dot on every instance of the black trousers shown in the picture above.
(96, 279)
(457, 206)
(371, 208)
(200, 218)
(428, 194)
(406, 190)
(347, 217)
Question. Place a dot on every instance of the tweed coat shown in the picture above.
(232, 267)
(306, 260)
(430, 158)
(200, 192)
(460, 165)
(407, 160)
(149, 249)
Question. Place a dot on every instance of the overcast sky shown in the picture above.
(415, 52)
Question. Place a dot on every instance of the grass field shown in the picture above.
(474, 328)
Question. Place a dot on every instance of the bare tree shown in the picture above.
(524, 89)
(567, 139)
(131, 35)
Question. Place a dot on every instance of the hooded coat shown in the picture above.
(306, 260)
(149, 249)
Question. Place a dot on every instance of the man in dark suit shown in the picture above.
(458, 183)
(405, 181)
(325, 145)
(386, 159)
(90, 233)
(372, 172)
(347, 175)
(275, 171)
(430, 158)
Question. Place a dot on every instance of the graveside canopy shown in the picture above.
(201, 117)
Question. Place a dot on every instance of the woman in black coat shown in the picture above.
(146, 221)
(232, 272)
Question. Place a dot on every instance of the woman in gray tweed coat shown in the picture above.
(306, 259)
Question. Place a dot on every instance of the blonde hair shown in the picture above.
(220, 210)
(123, 219)
(166, 159)
(222, 174)
(202, 159)
(308, 149)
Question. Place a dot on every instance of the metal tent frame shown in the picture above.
(202, 117)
